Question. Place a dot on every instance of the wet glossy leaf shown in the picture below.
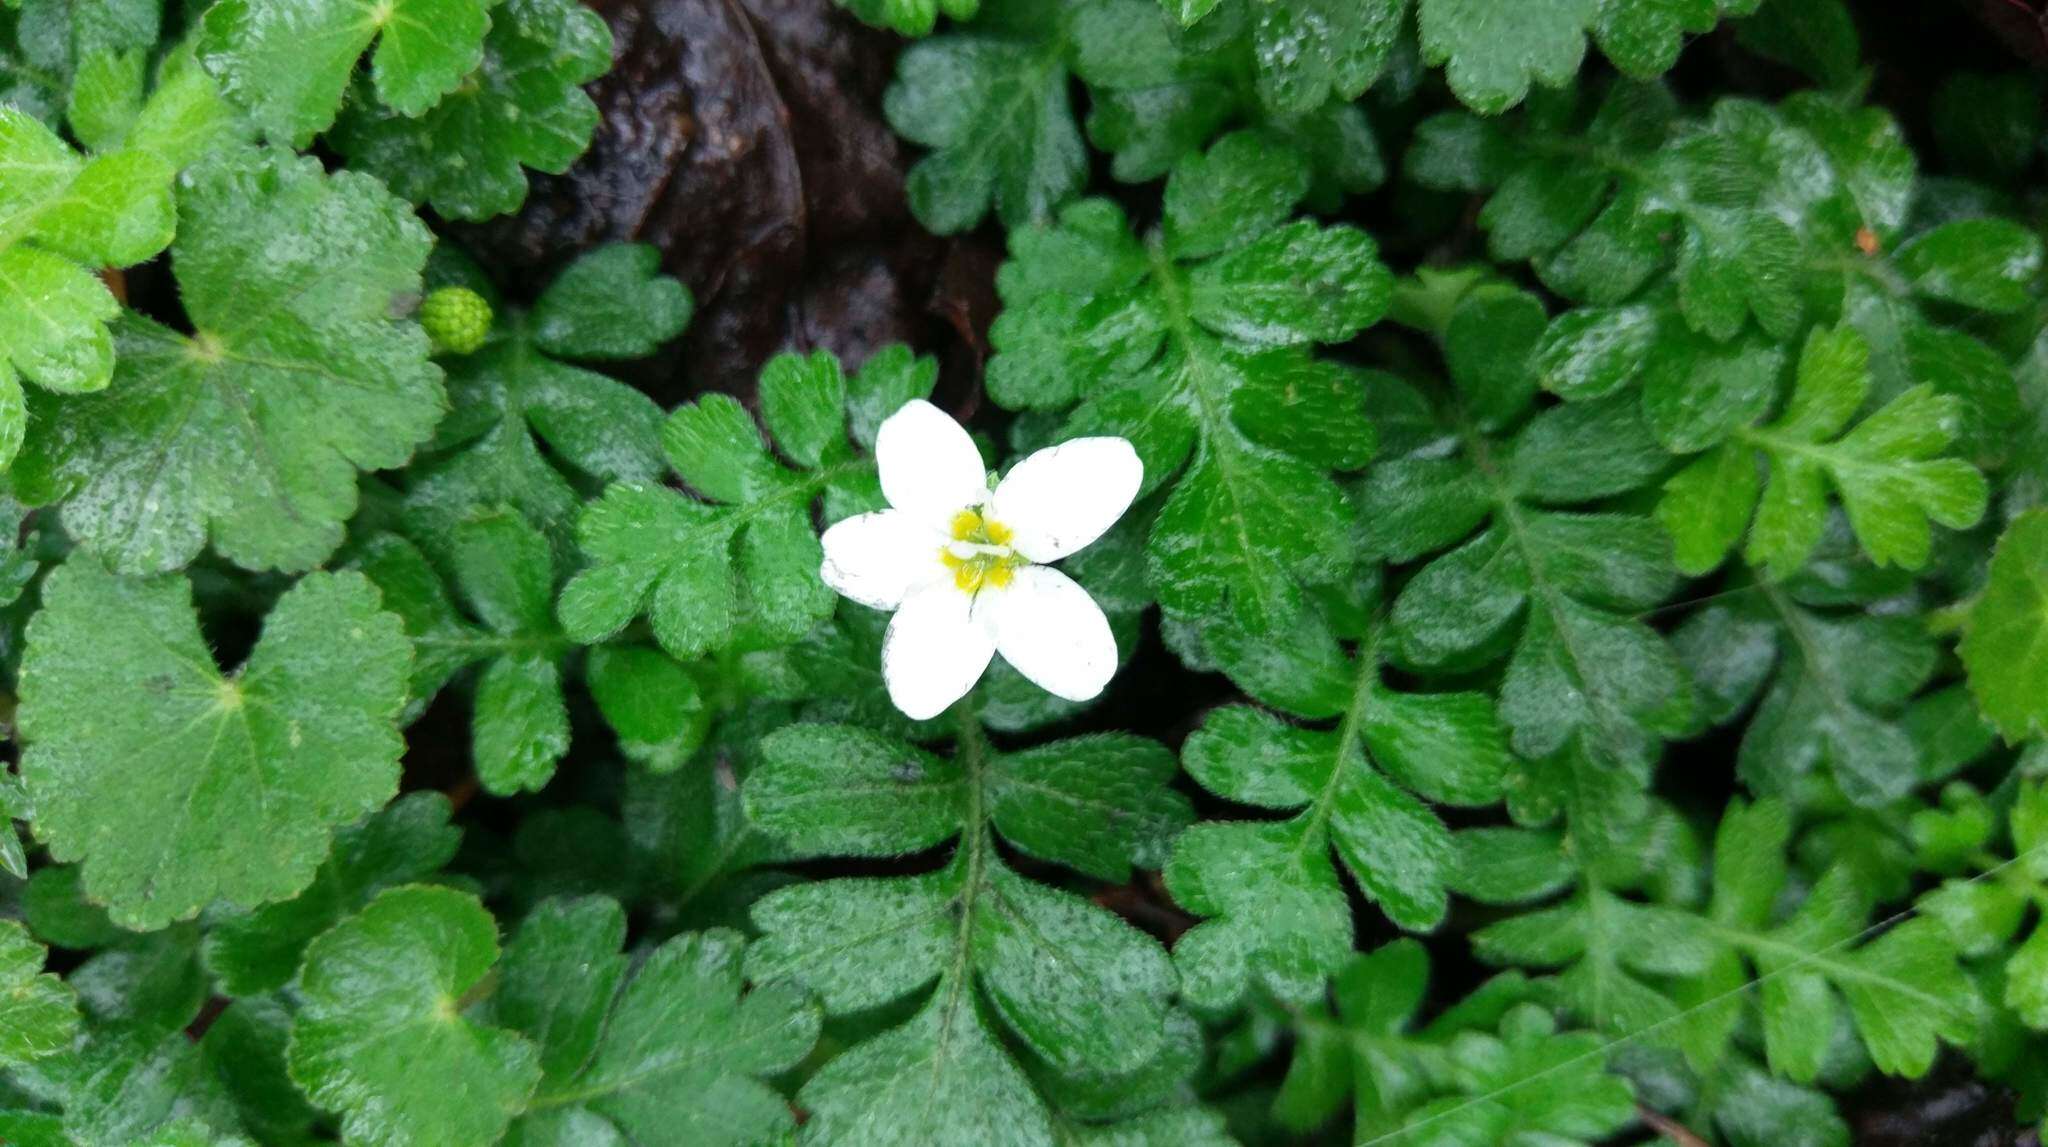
(248, 774)
(519, 106)
(250, 432)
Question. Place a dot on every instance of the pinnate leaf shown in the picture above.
(741, 568)
(1359, 785)
(528, 429)
(1888, 471)
(1529, 1083)
(1833, 682)
(1078, 987)
(1566, 585)
(673, 1053)
(1192, 344)
(504, 575)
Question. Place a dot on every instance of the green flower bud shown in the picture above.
(457, 319)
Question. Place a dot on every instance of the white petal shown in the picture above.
(1052, 631)
(1064, 497)
(877, 558)
(929, 465)
(935, 650)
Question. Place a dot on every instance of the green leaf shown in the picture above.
(1909, 349)
(1510, 865)
(265, 763)
(245, 1047)
(1983, 264)
(991, 103)
(130, 1068)
(1643, 37)
(910, 17)
(1836, 682)
(652, 703)
(1697, 392)
(112, 209)
(1616, 955)
(1272, 886)
(1156, 95)
(741, 569)
(35, 59)
(1488, 346)
(1562, 587)
(14, 805)
(940, 1078)
(1758, 1109)
(289, 65)
(818, 793)
(1529, 1084)
(505, 577)
(522, 106)
(124, 1084)
(1816, 36)
(150, 984)
(1983, 917)
(1591, 352)
(381, 1036)
(1309, 53)
(1297, 929)
(1605, 204)
(62, 217)
(801, 402)
(1076, 986)
(37, 1015)
(612, 303)
(1368, 1049)
(250, 431)
(191, 1134)
(57, 911)
(1191, 344)
(2003, 648)
(521, 726)
(408, 840)
(1887, 470)
(1492, 55)
(1903, 990)
(675, 1053)
(528, 430)
(1100, 804)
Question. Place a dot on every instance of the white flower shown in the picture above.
(961, 564)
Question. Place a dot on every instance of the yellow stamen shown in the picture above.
(967, 572)
(993, 566)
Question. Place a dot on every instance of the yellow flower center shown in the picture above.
(980, 553)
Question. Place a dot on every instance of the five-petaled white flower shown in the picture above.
(961, 564)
